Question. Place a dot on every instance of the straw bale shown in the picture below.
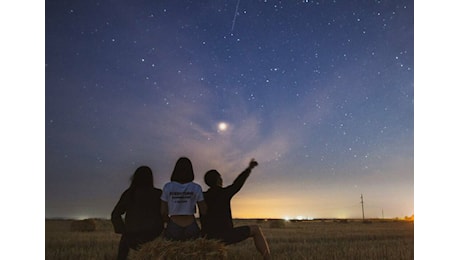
(85, 225)
(277, 223)
(162, 249)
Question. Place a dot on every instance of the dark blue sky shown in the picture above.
(321, 93)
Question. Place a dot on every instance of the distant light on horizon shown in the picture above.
(298, 218)
(313, 118)
(81, 217)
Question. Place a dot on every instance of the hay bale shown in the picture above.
(193, 249)
(85, 225)
(277, 223)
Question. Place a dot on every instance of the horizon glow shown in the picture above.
(321, 94)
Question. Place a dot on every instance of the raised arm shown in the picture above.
(241, 179)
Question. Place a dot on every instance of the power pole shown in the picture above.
(362, 205)
(382, 215)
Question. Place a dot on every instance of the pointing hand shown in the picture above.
(252, 164)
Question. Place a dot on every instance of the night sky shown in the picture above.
(320, 93)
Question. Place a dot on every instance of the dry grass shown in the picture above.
(313, 240)
(316, 240)
(63, 244)
(202, 249)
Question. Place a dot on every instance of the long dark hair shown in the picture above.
(142, 178)
(183, 171)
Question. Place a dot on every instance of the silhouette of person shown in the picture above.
(141, 205)
(178, 203)
(217, 223)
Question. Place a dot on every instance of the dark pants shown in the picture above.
(134, 240)
(178, 233)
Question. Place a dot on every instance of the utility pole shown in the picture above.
(362, 205)
(383, 217)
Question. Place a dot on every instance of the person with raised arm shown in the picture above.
(218, 223)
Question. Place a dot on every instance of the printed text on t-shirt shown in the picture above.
(181, 197)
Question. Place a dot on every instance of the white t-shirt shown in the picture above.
(182, 198)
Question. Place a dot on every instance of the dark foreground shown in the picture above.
(319, 239)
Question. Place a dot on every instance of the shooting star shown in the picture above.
(236, 12)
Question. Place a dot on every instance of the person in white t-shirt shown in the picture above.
(178, 203)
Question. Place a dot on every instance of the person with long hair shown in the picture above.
(218, 223)
(141, 205)
(178, 203)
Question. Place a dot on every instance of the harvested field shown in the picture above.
(325, 239)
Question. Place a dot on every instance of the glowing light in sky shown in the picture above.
(222, 92)
(223, 126)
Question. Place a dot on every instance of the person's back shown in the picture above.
(141, 205)
(144, 211)
(181, 197)
(179, 200)
(219, 216)
(218, 223)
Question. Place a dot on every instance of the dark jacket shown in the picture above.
(142, 208)
(219, 216)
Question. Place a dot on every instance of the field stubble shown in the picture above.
(292, 240)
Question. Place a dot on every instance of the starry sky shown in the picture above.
(320, 93)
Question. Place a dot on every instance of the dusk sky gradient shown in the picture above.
(320, 93)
